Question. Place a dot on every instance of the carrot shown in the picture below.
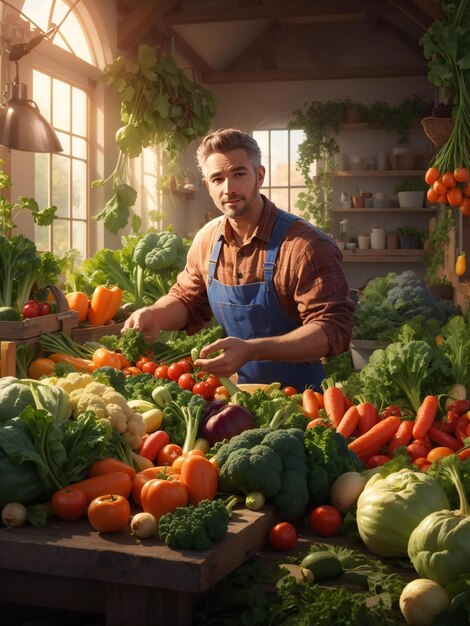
(443, 439)
(425, 416)
(349, 422)
(106, 466)
(115, 483)
(334, 403)
(310, 403)
(464, 453)
(376, 437)
(402, 437)
(319, 397)
(367, 416)
(81, 365)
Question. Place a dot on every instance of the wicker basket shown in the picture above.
(438, 129)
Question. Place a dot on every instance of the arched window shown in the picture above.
(63, 78)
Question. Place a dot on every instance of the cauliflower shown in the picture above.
(90, 402)
(74, 380)
(108, 405)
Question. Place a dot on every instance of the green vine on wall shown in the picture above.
(437, 241)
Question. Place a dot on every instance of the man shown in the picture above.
(272, 281)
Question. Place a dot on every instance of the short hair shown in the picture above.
(224, 140)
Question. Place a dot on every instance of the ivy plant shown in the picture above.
(160, 106)
(437, 241)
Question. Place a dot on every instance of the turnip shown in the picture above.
(14, 514)
(422, 600)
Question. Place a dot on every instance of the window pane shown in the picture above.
(294, 194)
(79, 111)
(79, 148)
(60, 185)
(61, 243)
(79, 239)
(296, 138)
(64, 139)
(61, 112)
(280, 197)
(42, 93)
(41, 179)
(41, 237)
(78, 189)
(279, 157)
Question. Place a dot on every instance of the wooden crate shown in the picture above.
(81, 334)
(64, 320)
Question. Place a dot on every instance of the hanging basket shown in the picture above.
(438, 129)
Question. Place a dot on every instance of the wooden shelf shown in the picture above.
(383, 256)
(388, 209)
(377, 173)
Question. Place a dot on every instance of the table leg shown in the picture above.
(146, 606)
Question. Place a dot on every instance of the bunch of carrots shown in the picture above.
(374, 436)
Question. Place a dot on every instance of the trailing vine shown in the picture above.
(437, 241)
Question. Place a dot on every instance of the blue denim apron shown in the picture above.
(253, 310)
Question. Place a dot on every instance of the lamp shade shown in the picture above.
(22, 127)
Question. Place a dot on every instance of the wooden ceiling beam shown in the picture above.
(297, 10)
(400, 34)
(379, 71)
(412, 11)
(432, 7)
(183, 48)
(133, 27)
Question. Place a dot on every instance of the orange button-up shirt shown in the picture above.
(308, 276)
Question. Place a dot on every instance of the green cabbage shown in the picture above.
(390, 508)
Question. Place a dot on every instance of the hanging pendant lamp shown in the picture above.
(22, 127)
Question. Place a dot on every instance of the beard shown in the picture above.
(242, 206)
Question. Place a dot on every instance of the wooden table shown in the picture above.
(67, 565)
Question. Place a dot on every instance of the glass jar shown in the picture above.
(377, 238)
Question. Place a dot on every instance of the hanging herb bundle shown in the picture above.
(160, 106)
(446, 46)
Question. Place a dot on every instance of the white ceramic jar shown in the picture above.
(377, 238)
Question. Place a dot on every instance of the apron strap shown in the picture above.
(213, 259)
(282, 223)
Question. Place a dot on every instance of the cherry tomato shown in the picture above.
(149, 367)
(69, 503)
(186, 381)
(109, 513)
(289, 391)
(44, 308)
(175, 370)
(377, 460)
(161, 372)
(325, 520)
(31, 309)
(143, 359)
(283, 536)
(185, 365)
(213, 381)
(169, 453)
(204, 389)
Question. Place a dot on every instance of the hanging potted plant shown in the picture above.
(160, 106)
(319, 121)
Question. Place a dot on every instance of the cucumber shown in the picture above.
(323, 565)
(9, 314)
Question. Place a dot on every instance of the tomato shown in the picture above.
(204, 389)
(160, 496)
(143, 359)
(31, 309)
(109, 513)
(69, 503)
(289, 391)
(438, 453)
(175, 370)
(377, 460)
(325, 520)
(169, 453)
(283, 536)
(391, 411)
(185, 365)
(448, 422)
(417, 449)
(213, 381)
(186, 381)
(162, 372)
(149, 367)
(44, 308)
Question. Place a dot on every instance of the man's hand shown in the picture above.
(235, 353)
(147, 321)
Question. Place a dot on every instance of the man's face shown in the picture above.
(233, 182)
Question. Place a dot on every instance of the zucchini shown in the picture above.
(9, 314)
(323, 565)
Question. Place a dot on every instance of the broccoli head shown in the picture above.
(110, 376)
(293, 496)
(257, 469)
(246, 439)
(195, 527)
